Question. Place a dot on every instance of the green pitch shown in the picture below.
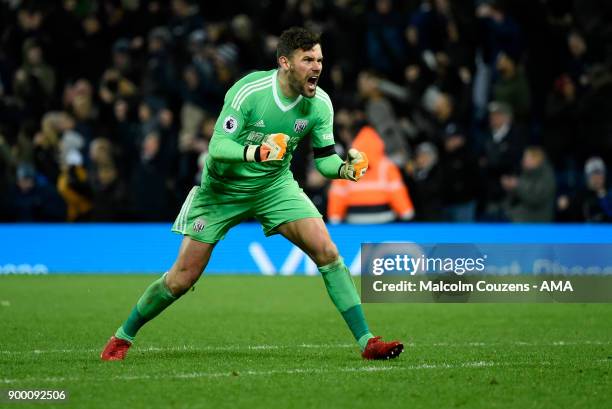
(278, 342)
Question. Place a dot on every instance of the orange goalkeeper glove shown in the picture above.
(273, 147)
(354, 166)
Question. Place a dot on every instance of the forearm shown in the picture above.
(329, 166)
(225, 150)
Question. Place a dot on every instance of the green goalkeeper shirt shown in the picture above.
(254, 107)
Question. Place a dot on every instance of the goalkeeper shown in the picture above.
(264, 117)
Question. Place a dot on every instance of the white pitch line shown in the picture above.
(265, 347)
(314, 371)
(185, 348)
(192, 375)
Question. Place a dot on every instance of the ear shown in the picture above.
(283, 62)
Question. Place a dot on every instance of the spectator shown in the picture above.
(345, 19)
(380, 114)
(577, 63)
(499, 33)
(34, 81)
(114, 86)
(110, 196)
(531, 196)
(73, 185)
(148, 118)
(159, 76)
(185, 20)
(427, 184)
(100, 153)
(122, 60)
(78, 101)
(149, 191)
(95, 38)
(63, 26)
(501, 156)
(193, 91)
(593, 203)
(203, 79)
(379, 197)
(560, 129)
(305, 13)
(30, 19)
(594, 16)
(595, 126)
(46, 144)
(429, 29)
(512, 88)
(33, 199)
(249, 43)
(440, 115)
(124, 134)
(443, 58)
(460, 172)
(385, 39)
(23, 148)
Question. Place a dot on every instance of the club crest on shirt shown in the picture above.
(300, 125)
(198, 225)
(230, 124)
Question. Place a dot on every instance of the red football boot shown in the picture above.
(379, 349)
(115, 349)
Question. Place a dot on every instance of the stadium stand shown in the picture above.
(107, 106)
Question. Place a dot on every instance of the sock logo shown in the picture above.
(198, 225)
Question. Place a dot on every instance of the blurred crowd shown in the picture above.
(470, 110)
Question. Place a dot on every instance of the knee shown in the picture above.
(326, 253)
(181, 278)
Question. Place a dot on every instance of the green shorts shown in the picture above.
(207, 214)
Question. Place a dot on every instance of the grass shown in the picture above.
(278, 342)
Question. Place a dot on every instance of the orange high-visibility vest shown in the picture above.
(381, 185)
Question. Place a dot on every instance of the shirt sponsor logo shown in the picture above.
(300, 125)
(255, 137)
(230, 124)
(328, 137)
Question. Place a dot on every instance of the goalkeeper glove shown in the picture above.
(355, 165)
(272, 148)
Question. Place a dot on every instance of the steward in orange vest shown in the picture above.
(380, 196)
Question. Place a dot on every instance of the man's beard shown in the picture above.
(294, 83)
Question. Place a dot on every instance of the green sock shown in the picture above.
(343, 294)
(154, 300)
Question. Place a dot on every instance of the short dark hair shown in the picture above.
(294, 38)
